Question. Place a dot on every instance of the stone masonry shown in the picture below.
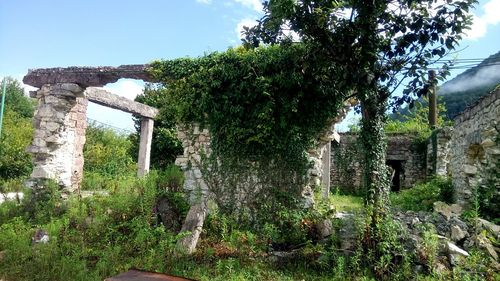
(438, 152)
(196, 142)
(475, 143)
(59, 135)
(406, 159)
(60, 119)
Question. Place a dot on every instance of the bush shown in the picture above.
(171, 179)
(90, 239)
(422, 196)
(107, 152)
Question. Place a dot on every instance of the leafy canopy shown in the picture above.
(382, 44)
(266, 103)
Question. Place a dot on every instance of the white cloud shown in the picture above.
(254, 4)
(248, 22)
(126, 88)
(207, 2)
(27, 89)
(481, 23)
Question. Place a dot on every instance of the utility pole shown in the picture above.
(3, 104)
(432, 100)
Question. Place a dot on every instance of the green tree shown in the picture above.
(17, 132)
(165, 146)
(15, 99)
(380, 45)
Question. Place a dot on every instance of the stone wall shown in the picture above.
(345, 169)
(196, 142)
(402, 148)
(59, 136)
(405, 157)
(439, 152)
(475, 149)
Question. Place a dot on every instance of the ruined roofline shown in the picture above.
(105, 98)
(86, 76)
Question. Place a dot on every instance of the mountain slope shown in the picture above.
(466, 88)
(470, 85)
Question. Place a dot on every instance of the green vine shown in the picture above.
(265, 105)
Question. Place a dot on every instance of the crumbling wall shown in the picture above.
(439, 152)
(346, 171)
(347, 159)
(411, 154)
(474, 146)
(196, 142)
(60, 119)
(59, 136)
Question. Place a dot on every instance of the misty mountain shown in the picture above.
(466, 88)
(470, 85)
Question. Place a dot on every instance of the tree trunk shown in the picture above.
(376, 180)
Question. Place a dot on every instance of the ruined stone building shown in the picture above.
(468, 152)
(60, 119)
(404, 156)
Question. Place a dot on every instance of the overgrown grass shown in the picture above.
(90, 238)
(347, 203)
(422, 196)
(100, 236)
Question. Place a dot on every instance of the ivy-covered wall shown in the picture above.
(404, 155)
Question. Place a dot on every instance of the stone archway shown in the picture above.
(60, 118)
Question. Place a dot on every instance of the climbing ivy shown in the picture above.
(265, 103)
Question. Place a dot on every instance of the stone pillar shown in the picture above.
(78, 117)
(325, 175)
(59, 136)
(145, 146)
(438, 152)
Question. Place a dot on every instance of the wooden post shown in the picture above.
(145, 146)
(432, 100)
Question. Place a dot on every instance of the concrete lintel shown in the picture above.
(145, 146)
(86, 76)
(103, 97)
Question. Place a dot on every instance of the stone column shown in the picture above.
(325, 175)
(59, 136)
(145, 146)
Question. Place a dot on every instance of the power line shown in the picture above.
(109, 126)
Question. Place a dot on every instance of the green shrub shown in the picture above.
(422, 196)
(107, 152)
(416, 121)
(171, 179)
(165, 145)
(90, 239)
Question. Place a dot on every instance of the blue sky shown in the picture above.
(58, 33)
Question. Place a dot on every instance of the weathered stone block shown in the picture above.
(470, 170)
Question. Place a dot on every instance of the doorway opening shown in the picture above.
(397, 174)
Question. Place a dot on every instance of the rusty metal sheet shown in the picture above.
(137, 275)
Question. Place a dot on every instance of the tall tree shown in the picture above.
(381, 45)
